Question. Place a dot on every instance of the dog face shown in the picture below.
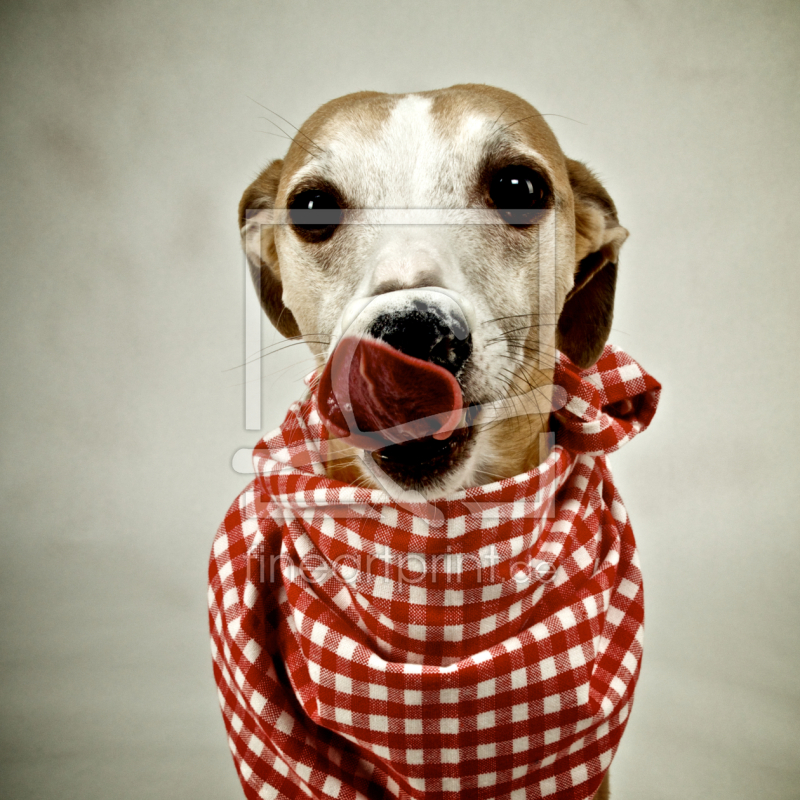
(449, 226)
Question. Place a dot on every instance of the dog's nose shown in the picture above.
(427, 332)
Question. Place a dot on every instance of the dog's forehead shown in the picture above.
(417, 148)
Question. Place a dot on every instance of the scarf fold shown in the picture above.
(364, 648)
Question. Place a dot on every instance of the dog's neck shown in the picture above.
(518, 445)
(519, 442)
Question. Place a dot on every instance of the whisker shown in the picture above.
(510, 316)
(303, 337)
(495, 475)
(511, 400)
(285, 347)
(263, 354)
(292, 139)
(281, 370)
(272, 133)
(506, 335)
(522, 377)
(537, 320)
(287, 122)
(518, 358)
(505, 108)
(531, 388)
(537, 114)
(514, 343)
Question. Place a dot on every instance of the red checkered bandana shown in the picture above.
(365, 648)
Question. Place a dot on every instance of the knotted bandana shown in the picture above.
(365, 648)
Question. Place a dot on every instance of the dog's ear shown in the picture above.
(258, 241)
(585, 320)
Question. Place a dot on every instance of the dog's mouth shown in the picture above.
(421, 462)
(408, 413)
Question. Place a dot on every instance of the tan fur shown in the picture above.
(604, 792)
(370, 109)
(344, 465)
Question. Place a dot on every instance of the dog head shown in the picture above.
(449, 237)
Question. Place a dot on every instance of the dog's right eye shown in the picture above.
(315, 215)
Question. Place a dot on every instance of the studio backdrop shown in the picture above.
(128, 132)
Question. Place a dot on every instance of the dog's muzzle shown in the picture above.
(394, 385)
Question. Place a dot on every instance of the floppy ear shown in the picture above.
(258, 241)
(585, 320)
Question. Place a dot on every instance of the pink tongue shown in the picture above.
(379, 396)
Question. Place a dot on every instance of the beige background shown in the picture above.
(126, 138)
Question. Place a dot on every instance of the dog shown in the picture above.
(449, 226)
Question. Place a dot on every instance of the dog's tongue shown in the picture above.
(379, 396)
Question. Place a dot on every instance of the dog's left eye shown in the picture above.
(518, 193)
(315, 215)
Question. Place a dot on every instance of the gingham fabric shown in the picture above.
(365, 648)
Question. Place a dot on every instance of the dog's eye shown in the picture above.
(315, 215)
(518, 193)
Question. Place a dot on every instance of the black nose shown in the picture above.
(426, 332)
